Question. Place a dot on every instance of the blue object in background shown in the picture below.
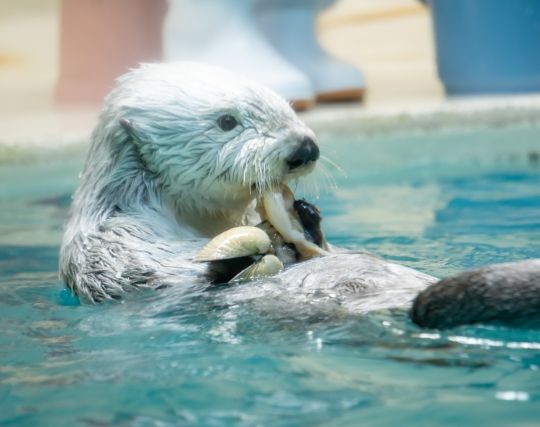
(487, 46)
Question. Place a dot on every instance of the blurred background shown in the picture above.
(390, 41)
(58, 58)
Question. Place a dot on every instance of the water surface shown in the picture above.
(440, 203)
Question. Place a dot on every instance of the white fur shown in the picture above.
(161, 177)
(174, 174)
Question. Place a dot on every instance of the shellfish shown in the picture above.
(289, 231)
(280, 209)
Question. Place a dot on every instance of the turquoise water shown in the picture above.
(437, 202)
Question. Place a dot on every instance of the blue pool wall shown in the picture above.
(487, 46)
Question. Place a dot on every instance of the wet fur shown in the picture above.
(160, 175)
(161, 178)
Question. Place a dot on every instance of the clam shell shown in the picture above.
(235, 243)
(268, 265)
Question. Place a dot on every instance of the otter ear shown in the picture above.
(131, 129)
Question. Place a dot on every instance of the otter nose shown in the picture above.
(306, 152)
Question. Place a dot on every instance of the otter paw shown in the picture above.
(310, 218)
(238, 254)
(278, 207)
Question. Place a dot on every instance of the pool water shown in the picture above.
(439, 202)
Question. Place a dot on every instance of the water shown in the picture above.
(438, 202)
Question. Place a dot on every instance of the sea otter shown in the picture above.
(181, 153)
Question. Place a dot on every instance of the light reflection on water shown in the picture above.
(194, 360)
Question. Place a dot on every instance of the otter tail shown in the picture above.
(507, 294)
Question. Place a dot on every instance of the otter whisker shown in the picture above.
(260, 170)
(329, 182)
(257, 176)
(244, 177)
(325, 160)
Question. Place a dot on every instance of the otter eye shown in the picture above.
(227, 122)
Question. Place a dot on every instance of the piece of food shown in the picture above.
(267, 266)
(235, 243)
(238, 254)
(290, 231)
(278, 209)
(286, 252)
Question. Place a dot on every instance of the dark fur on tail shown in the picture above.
(503, 293)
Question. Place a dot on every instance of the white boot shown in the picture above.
(224, 33)
(290, 26)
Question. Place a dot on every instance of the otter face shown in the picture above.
(265, 144)
(208, 136)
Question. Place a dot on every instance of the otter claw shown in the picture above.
(267, 266)
(235, 243)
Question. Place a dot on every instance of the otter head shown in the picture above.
(211, 140)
